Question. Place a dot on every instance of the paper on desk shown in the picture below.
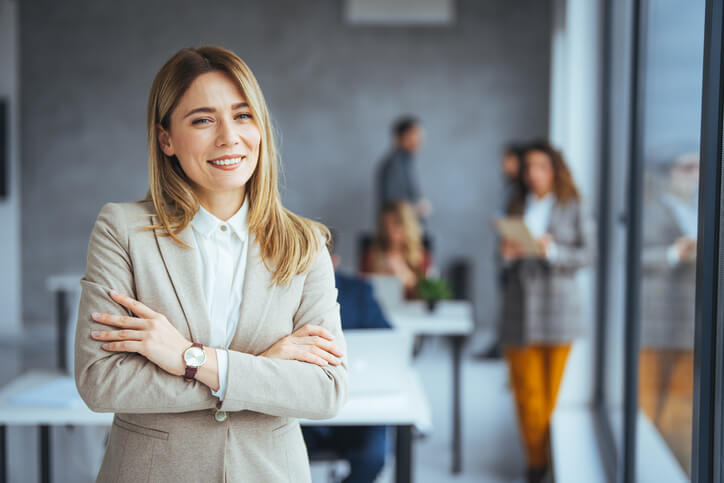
(58, 393)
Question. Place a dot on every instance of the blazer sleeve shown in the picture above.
(120, 381)
(292, 388)
(582, 251)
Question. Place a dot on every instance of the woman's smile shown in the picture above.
(227, 164)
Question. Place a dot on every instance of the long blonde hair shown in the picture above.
(412, 250)
(287, 242)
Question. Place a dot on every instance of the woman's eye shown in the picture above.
(244, 114)
(200, 121)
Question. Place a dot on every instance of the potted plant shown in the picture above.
(432, 290)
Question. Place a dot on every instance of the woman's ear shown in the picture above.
(164, 140)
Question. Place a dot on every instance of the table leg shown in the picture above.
(61, 314)
(457, 348)
(403, 454)
(44, 453)
(3, 457)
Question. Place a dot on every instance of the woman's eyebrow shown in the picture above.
(211, 109)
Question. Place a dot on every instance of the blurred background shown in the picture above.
(435, 138)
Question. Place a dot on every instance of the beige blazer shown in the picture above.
(164, 428)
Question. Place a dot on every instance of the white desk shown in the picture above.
(450, 317)
(407, 409)
(453, 319)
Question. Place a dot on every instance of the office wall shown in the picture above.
(333, 90)
(10, 298)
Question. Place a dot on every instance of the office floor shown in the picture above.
(492, 452)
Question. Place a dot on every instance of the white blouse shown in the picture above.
(537, 217)
(222, 252)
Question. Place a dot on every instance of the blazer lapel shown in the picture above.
(185, 274)
(255, 299)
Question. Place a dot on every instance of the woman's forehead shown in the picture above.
(214, 90)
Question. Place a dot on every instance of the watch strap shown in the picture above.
(190, 373)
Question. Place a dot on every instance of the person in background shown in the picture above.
(514, 188)
(398, 249)
(397, 174)
(668, 288)
(541, 313)
(364, 447)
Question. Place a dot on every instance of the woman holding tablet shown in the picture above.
(208, 318)
(542, 313)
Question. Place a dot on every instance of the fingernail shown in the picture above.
(95, 333)
(95, 315)
(113, 292)
(105, 346)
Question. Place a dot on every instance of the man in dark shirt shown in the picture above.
(364, 447)
(396, 176)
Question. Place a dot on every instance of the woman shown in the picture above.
(398, 249)
(668, 290)
(511, 166)
(541, 313)
(514, 188)
(215, 305)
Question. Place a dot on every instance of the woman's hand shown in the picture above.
(310, 343)
(510, 250)
(401, 270)
(544, 242)
(150, 334)
(686, 248)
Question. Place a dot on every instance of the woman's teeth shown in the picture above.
(226, 162)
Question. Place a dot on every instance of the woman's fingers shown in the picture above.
(123, 334)
(324, 355)
(134, 305)
(315, 340)
(306, 355)
(318, 330)
(120, 320)
(123, 346)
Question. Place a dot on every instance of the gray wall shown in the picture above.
(333, 90)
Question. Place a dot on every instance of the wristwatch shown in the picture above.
(194, 357)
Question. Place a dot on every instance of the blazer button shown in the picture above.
(223, 227)
(220, 416)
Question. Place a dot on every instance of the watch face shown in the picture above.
(194, 356)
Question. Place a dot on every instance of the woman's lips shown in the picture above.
(228, 164)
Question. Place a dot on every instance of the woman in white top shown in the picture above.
(208, 320)
(541, 313)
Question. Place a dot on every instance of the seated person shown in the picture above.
(398, 249)
(364, 447)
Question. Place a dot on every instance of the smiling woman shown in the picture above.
(208, 319)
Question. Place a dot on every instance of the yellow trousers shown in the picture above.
(666, 391)
(536, 372)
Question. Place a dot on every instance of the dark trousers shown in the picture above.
(364, 447)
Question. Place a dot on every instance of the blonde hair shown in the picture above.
(287, 242)
(412, 249)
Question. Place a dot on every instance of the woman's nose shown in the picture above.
(227, 134)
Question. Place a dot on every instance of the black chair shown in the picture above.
(459, 274)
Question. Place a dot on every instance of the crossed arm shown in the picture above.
(301, 375)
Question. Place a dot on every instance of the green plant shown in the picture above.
(434, 289)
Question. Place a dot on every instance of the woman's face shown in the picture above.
(539, 172)
(510, 165)
(394, 231)
(213, 122)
